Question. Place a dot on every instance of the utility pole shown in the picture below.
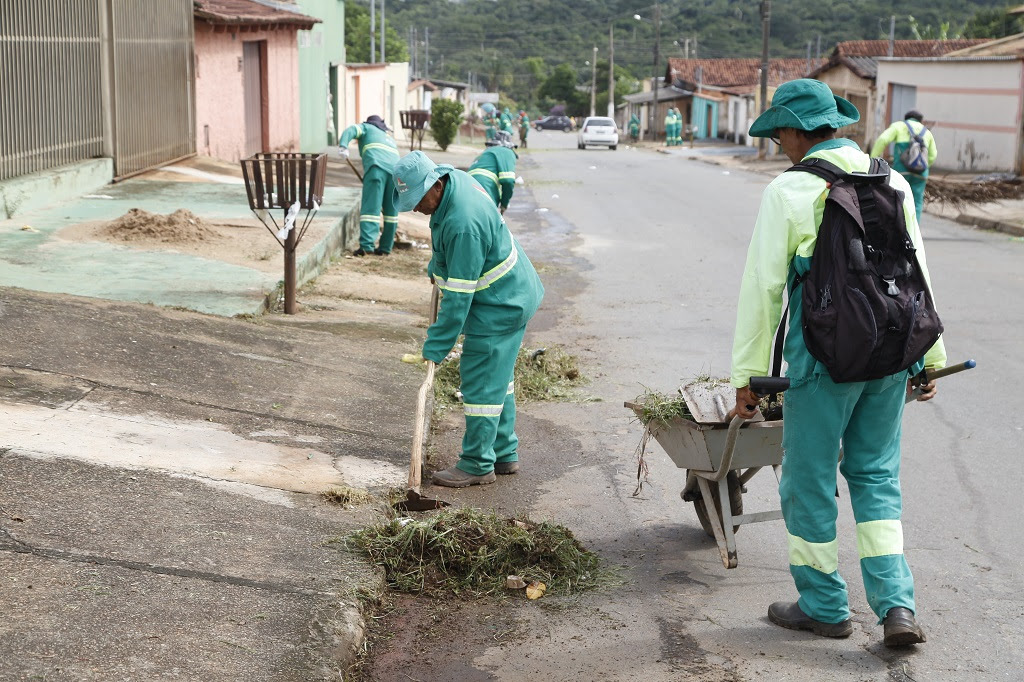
(892, 33)
(817, 54)
(415, 52)
(766, 22)
(808, 57)
(373, 31)
(686, 49)
(426, 52)
(593, 83)
(657, 61)
(383, 58)
(611, 72)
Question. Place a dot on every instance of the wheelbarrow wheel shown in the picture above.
(735, 503)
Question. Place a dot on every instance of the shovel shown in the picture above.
(414, 500)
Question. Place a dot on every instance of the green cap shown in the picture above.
(804, 104)
(414, 175)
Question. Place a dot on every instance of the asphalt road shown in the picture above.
(641, 253)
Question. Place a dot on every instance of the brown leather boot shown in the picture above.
(901, 629)
(789, 615)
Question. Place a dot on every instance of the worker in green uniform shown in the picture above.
(524, 128)
(670, 120)
(379, 153)
(495, 169)
(491, 291)
(490, 122)
(634, 128)
(677, 127)
(898, 135)
(819, 413)
(506, 121)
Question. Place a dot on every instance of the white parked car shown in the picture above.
(599, 130)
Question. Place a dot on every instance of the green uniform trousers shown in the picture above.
(866, 417)
(378, 194)
(917, 184)
(487, 367)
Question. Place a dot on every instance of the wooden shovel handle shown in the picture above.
(416, 461)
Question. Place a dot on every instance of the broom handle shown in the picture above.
(416, 460)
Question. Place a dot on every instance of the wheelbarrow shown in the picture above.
(721, 454)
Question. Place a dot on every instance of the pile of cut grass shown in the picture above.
(470, 551)
(550, 374)
(661, 407)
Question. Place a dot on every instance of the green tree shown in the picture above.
(357, 37)
(445, 116)
(992, 23)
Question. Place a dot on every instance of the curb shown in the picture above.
(991, 224)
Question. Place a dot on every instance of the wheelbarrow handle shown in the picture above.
(768, 385)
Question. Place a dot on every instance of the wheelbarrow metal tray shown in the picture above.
(701, 446)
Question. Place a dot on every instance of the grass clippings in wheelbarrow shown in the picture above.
(660, 407)
(467, 551)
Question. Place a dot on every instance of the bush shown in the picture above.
(445, 116)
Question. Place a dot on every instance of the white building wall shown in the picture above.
(973, 107)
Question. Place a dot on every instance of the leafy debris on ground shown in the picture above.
(980, 191)
(470, 551)
(344, 495)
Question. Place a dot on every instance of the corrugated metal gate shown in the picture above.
(50, 74)
(81, 79)
(154, 107)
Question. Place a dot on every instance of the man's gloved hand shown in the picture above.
(343, 151)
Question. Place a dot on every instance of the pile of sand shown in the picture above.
(180, 227)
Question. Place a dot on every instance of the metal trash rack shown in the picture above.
(293, 182)
(710, 448)
(415, 121)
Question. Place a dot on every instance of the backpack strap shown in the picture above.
(829, 172)
(916, 137)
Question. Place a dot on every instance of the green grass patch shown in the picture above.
(470, 551)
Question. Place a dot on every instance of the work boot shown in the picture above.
(901, 629)
(454, 477)
(789, 615)
(380, 252)
(359, 252)
(502, 468)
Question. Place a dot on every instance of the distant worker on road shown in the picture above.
(901, 134)
(524, 128)
(491, 290)
(495, 169)
(379, 153)
(634, 128)
(505, 122)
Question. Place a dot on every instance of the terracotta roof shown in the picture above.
(250, 12)
(861, 56)
(427, 85)
(737, 72)
(901, 48)
(1008, 46)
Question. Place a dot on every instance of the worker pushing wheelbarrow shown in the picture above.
(838, 233)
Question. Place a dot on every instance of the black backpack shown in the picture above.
(867, 310)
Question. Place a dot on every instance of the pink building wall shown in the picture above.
(220, 92)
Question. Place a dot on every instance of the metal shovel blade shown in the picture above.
(415, 502)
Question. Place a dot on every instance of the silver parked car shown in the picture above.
(598, 130)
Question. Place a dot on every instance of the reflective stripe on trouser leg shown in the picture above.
(387, 235)
(506, 442)
(374, 182)
(486, 365)
(871, 466)
(816, 415)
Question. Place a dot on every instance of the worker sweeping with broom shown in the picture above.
(491, 291)
(379, 153)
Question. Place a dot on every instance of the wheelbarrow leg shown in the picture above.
(723, 536)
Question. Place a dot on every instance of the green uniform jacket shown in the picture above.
(495, 168)
(376, 148)
(783, 241)
(898, 136)
(490, 286)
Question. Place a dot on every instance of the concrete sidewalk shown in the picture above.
(36, 254)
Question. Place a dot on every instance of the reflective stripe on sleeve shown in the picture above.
(821, 556)
(506, 175)
(492, 411)
(483, 172)
(511, 388)
(879, 538)
(379, 145)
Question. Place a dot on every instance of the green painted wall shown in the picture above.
(319, 50)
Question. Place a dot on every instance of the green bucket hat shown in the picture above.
(414, 175)
(804, 104)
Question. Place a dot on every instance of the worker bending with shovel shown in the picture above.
(495, 169)
(379, 153)
(490, 292)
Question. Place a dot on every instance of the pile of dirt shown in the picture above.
(180, 227)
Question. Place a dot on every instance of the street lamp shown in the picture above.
(593, 83)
